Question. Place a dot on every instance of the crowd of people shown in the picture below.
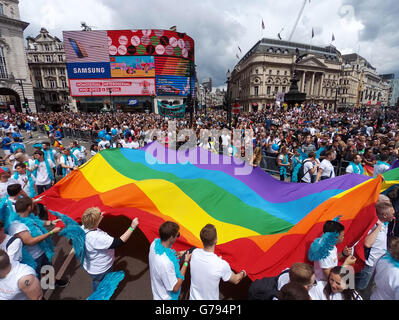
(307, 144)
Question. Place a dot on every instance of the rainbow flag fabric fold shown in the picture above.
(264, 225)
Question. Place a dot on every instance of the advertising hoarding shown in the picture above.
(170, 66)
(132, 67)
(174, 86)
(86, 46)
(93, 70)
(150, 42)
(118, 87)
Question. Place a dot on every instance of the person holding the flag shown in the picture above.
(166, 275)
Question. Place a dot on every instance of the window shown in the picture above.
(52, 84)
(60, 58)
(284, 89)
(1, 9)
(40, 83)
(35, 58)
(46, 47)
(275, 89)
(285, 73)
(61, 71)
(256, 71)
(278, 72)
(268, 89)
(256, 90)
(270, 71)
(3, 65)
(48, 59)
(64, 84)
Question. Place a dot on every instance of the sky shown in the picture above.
(219, 27)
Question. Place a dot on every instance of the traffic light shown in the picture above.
(26, 103)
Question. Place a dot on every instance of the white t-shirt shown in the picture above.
(102, 144)
(318, 293)
(328, 169)
(9, 289)
(98, 257)
(206, 270)
(225, 139)
(307, 167)
(135, 145)
(80, 154)
(42, 177)
(162, 274)
(379, 247)
(330, 262)
(14, 249)
(379, 169)
(24, 182)
(386, 280)
(18, 227)
(69, 162)
(3, 187)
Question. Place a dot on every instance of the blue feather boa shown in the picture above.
(321, 247)
(171, 254)
(74, 232)
(391, 259)
(107, 286)
(36, 228)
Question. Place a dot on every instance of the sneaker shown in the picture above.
(61, 283)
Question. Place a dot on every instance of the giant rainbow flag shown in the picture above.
(264, 225)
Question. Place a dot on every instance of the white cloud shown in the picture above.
(219, 27)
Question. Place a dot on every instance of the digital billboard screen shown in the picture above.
(130, 62)
(132, 67)
(118, 87)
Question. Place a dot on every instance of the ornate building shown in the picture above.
(264, 73)
(47, 64)
(15, 84)
(361, 85)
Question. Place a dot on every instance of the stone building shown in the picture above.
(47, 65)
(264, 73)
(15, 83)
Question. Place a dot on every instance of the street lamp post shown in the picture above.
(110, 104)
(23, 92)
(228, 99)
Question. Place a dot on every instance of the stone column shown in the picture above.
(321, 85)
(312, 85)
(303, 82)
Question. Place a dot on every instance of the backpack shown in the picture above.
(265, 288)
(301, 171)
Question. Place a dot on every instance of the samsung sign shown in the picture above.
(92, 70)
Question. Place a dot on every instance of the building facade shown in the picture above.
(47, 65)
(15, 84)
(263, 75)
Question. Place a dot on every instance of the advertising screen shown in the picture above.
(150, 42)
(86, 46)
(93, 70)
(174, 86)
(118, 87)
(132, 67)
(172, 66)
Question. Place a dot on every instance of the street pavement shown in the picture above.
(132, 258)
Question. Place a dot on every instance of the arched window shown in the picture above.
(3, 65)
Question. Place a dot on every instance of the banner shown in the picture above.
(94, 70)
(86, 46)
(174, 86)
(150, 42)
(118, 87)
(132, 67)
(171, 111)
